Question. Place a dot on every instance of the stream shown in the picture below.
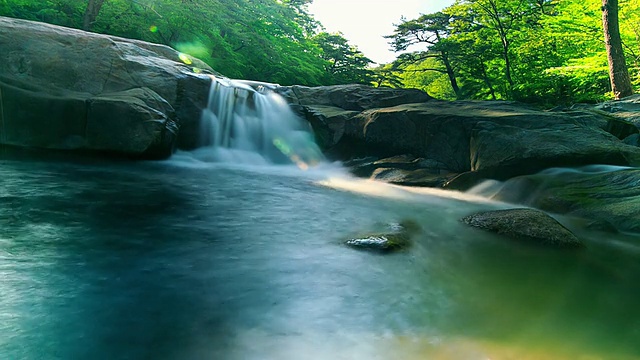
(186, 259)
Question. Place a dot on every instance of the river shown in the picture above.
(184, 259)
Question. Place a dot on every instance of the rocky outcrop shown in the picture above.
(490, 139)
(63, 88)
(529, 225)
(352, 97)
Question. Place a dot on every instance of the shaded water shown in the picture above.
(189, 260)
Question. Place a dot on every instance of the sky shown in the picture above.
(365, 22)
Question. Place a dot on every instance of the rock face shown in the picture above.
(62, 88)
(502, 151)
(525, 224)
(491, 139)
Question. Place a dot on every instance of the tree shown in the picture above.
(506, 18)
(91, 13)
(431, 30)
(344, 63)
(386, 75)
(618, 73)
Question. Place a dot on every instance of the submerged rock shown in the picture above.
(397, 238)
(525, 224)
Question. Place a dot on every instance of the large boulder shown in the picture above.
(502, 151)
(528, 225)
(64, 88)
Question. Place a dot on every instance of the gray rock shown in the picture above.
(503, 151)
(418, 177)
(633, 140)
(492, 138)
(95, 92)
(353, 97)
(626, 109)
(525, 224)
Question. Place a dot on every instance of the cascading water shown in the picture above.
(247, 122)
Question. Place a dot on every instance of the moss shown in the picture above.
(398, 238)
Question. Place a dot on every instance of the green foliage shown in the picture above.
(539, 51)
(386, 75)
(435, 83)
(344, 64)
(266, 40)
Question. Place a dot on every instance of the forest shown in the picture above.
(545, 52)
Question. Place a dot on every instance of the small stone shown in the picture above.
(398, 238)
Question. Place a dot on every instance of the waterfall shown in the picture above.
(247, 122)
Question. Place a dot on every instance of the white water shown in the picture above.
(490, 189)
(247, 122)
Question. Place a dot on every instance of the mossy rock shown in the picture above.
(529, 225)
(610, 198)
(398, 237)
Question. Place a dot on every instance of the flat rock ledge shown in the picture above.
(529, 225)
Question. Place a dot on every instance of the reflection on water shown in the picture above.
(186, 260)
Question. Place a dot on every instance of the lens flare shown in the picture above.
(282, 146)
(185, 58)
(153, 28)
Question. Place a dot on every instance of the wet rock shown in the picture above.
(418, 177)
(605, 195)
(405, 164)
(397, 237)
(525, 224)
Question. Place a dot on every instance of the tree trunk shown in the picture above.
(618, 73)
(487, 82)
(451, 74)
(507, 61)
(91, 14)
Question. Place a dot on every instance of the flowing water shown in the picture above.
(249, 123)
(190, 259)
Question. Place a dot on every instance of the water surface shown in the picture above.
(189, 260)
